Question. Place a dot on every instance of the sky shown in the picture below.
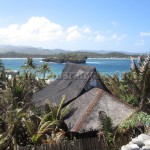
(113, 25)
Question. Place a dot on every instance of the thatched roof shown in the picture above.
(11, 72)
(71, 83)
(87, 107)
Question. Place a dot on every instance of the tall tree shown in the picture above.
(44, 68)
(29, 65)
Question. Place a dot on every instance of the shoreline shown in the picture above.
(20, 58)
(108, 58)
(87, 58)
(111, 58)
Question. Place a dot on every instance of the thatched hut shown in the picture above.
(11, 73)
(87, 107)
(74, 81)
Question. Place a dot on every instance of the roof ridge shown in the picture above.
(120, 100)
(87, 111)
(82, 65)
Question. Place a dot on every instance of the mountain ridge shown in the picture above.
(46, 51)
(29, 50)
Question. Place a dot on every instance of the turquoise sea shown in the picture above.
(105, 66)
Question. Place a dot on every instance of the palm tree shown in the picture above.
(44, 68)
(29, 65)
(28, 76)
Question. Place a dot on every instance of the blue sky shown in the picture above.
(117, 25)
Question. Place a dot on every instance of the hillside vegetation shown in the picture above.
(106, 55)
(80, 57)
(69, 57)
(60, 55)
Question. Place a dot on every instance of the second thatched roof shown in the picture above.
(87, 107)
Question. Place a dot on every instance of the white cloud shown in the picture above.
(71, 29)
(75, 33)
(86, 29)
(37, 29)
(117, 37)
(100, 38)
(114, 23)
(73, 36)
(143, 34)
(108, 36)
(140, 43)
(40, 31)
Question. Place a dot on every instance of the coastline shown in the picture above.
(112, 58)
(87, 58)
(103, 65)
(115, 58)
(20, 58)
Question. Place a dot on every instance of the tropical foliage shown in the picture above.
(134, 86)
(2, 75)
(20, 124)
(45, 68)
(29, 65)
(47, 127)
(132, 122)
(68, 57)
(105, 132)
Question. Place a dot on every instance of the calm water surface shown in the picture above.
(105, 66)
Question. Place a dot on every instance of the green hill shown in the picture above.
(69, 57)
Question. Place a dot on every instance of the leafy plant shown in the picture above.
(105, 132)
(132, 122)
(134, 86)
(2, 75)
(51, 124)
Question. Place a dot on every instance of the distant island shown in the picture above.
(69, 57)
(59, 55)
(76, 54)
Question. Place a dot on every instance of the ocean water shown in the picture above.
(104, 66)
